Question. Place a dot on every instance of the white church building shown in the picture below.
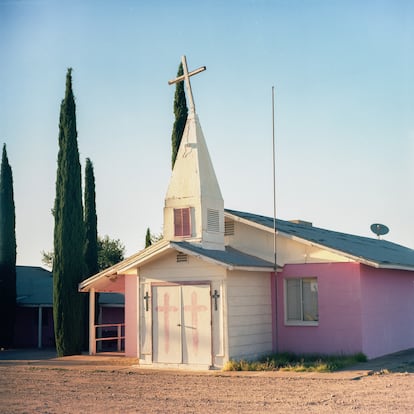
(209, 291)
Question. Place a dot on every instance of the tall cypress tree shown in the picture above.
(91, 238)
(91, 221)
(148, 241)
(180, 112)
(7, 253)
(68, 264)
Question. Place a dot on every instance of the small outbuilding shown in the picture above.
(34, 326)
(34, 308)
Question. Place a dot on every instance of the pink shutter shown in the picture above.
(178, 223)
(186, 222)
(182, 222)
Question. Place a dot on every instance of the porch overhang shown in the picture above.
(110, 283)
(113, 278)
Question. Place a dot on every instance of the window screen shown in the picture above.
(302, 300)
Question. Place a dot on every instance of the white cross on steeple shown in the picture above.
(186, 77)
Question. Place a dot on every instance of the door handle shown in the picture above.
(178, 324)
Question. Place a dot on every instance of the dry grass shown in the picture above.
(296, 363)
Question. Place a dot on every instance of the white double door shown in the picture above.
(181, 324)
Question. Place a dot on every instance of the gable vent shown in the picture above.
(182, 257)
(229, 228)
(213, 220)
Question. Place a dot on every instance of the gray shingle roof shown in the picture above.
(381, 252)
(34, 286)
(229, 257)
(111, 299)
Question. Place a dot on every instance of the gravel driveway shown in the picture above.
(40, 383)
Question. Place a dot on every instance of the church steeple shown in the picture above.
(194, 207)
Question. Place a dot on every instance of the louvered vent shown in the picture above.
(182, 258)
(229, 228)
(213, 220)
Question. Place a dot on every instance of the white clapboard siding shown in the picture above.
(253, 289)
(249, 314)
(249, 320)
(252, 309)
(257, 329)
(253, 241)
(250, 300)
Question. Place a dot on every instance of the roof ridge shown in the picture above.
(301, 225)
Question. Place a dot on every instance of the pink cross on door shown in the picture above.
(166, 324)
(166, 308)
(196, 324)
(194, 309)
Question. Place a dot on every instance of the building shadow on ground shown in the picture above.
(399, 362)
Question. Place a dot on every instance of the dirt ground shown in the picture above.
(82, 384)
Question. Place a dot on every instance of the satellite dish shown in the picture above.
(379, 229)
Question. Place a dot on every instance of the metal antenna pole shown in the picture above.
(274, 178)
(276, 307)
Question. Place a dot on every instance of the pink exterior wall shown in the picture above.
(340, 329)
(273, 290)
(387, 310)
(131, 316)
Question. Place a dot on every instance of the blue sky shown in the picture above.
(343, 73)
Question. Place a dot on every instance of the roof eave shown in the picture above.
(253, 268)
(395, 267)
(85, 284)
(148, 254)
(125, 265)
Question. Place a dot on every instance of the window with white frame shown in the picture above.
(301, 301)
